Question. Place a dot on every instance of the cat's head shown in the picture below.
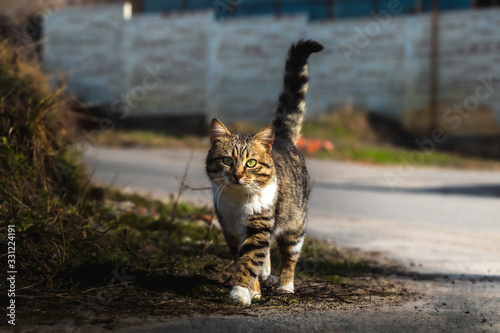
(238, 159)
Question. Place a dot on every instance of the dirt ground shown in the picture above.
(439, 305)
(388, 300)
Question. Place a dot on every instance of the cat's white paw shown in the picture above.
(255, 294)
(286, 289)
(240, 295)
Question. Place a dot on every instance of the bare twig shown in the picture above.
(181, 186)
(28, 287)
(63, 248)
(20, 202)
(238, 313)
(197, 187)
(70, 259)
(207, 238)
(126, 283)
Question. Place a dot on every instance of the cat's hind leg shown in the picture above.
(265, 273)
(233, 242)
(289, 247)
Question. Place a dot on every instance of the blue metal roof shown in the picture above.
(317, 9)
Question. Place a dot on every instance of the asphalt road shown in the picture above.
(437, 221)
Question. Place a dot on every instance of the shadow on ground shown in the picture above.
(484, 190)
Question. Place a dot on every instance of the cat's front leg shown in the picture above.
(252, 255)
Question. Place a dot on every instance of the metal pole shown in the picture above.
(277, 8)
(329, 9)
(434, 54)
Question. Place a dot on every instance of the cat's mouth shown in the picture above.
(236, 182)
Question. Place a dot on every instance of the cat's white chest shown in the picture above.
(235, 205)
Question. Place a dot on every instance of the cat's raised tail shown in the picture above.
(289, 115)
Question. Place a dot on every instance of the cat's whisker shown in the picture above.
(222, 188)
(256, 187)
(216, 179)
(216, 194)
(216, 201)
(219, 180)
(247, 189)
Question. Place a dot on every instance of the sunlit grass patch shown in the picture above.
(354, 140)
(149, 139)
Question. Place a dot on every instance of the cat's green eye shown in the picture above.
(251, 163)
(227, 160)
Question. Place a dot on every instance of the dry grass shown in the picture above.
(39, 174)
(32, 132)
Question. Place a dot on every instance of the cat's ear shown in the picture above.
(265, 137)
(218, 131)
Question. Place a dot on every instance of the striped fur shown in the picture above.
(292, 105)
(261, 186)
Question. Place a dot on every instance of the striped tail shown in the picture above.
(289, 115)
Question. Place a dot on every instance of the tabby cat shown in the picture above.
(261, 185)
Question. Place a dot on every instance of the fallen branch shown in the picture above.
(182, 187)
(207, 237)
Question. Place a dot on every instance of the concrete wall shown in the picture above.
(152, 64)
(248, 65)
(86, 51)
(178, 46)
(389, 72)
(232, 69)
(368, 72)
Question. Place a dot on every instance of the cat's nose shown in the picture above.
(237, 177)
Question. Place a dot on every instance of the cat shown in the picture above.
(261, 185)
